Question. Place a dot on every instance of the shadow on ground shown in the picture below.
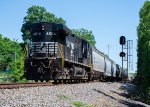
(128, 103)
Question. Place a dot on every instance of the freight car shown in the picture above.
(55, 53)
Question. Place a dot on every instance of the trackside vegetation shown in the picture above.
(11, 60)
(143, 53)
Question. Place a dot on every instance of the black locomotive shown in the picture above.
(55, 53)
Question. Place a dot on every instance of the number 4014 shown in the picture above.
(50, 33)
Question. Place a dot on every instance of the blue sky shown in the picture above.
(108, 20)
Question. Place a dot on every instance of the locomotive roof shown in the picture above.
(55, 26)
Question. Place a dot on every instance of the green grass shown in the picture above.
(80, 104)
(76, 103)
(4, 77)
(63, 97)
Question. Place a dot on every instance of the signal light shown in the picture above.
(122, 54)
(122, 40)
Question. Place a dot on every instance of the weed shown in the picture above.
(63, 97)
(80, 104)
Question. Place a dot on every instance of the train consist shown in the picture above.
(55, 53)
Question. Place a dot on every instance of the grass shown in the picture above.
(75, 103)
(4, 77)
(63, 97)
(80, 104)
(24, 81)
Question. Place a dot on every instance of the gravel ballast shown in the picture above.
(97, 94)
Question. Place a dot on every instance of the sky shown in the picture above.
(107, 19)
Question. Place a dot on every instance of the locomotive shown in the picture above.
(55, 53)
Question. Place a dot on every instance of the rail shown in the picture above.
(22, 85)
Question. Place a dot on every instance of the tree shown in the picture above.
(11, 56)
(86, 35)
(37, 14)
(8, 49)
(143, 52)
(144, 45)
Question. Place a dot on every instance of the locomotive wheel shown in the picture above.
(36, 80)
(64, 81)
(41, 80)
(89, 77)
(46, 80)
(55, 75)
(101, 79)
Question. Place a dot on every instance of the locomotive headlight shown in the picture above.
(43, 27)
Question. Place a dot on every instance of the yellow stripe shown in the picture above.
(62, 55)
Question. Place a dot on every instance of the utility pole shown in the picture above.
(15, 40)
(108, 49)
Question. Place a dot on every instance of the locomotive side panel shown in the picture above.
(77, 51)
(72, 49)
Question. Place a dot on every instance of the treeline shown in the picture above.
(143, 53)
(12, 54)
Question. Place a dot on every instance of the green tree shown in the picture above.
(37, 14)
(86, 35)
(143, 52)
(10, 56)
(144, 45)
(18, 69)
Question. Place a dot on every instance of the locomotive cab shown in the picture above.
(45, 51)
(45, 38)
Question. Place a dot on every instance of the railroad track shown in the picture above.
(39, 84)
(22, 85)
(34, 84)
